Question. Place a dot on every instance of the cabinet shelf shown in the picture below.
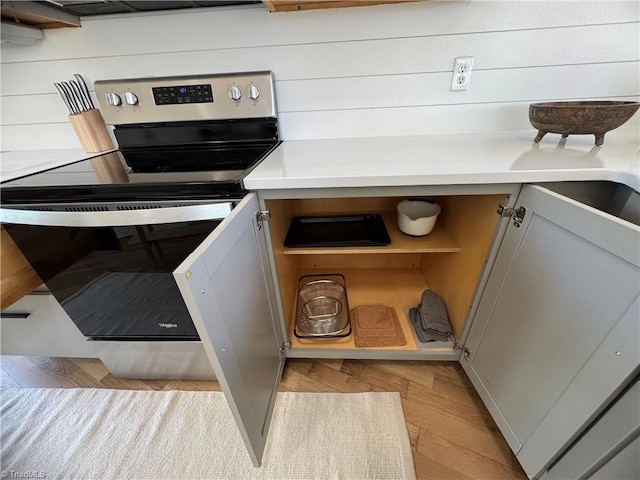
(438, 241)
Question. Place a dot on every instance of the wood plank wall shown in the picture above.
(366, 71)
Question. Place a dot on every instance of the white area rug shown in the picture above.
(124, 434)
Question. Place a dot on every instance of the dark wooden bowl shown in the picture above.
(582, 118)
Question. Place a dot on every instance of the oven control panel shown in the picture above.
(187, 98)
(182, 94)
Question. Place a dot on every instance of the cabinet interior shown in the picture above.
(449, 260)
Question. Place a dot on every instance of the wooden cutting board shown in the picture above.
(17, 277)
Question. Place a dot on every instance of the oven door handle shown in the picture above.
(120, 218)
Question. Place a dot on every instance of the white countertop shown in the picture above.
(449, 160)
(414, 160)
(15, 164)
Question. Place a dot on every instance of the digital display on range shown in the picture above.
(182, 94)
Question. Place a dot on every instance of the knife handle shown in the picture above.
(63, 96)
(79, 96)
(85, 89)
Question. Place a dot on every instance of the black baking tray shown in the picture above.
(365, 230)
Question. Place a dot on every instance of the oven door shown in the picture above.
(111, 271)
(225, 283)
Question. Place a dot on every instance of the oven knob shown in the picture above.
(130, 98)
(254, 92)
(234, 93)
(113, 99)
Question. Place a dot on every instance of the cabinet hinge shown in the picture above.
(461, 348)
(518, 216)
(504, 211)
(262, 216)
(285, 346)
(516, 213)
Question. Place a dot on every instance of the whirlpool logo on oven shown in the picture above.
(168, 325)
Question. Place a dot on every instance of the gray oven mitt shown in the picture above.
(430, 319)
(424, 336)
(433, 313)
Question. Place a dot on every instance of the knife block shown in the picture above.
(94, 138)
(91, 131)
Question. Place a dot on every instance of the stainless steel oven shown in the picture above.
(106, 234)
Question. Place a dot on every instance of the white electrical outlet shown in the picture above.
(461, 73)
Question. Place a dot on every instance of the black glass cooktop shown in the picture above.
(142, 174)
(236, 158)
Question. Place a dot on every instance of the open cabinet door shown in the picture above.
(230, 298)
(556, 331)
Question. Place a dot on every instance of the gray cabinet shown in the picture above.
(625, 465)
(227, 288)
(556, 331)
(241, 306)
(549, 313)
(610, 447)
(37, 325)
(452, 260)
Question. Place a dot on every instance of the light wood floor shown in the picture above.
(452, 434)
